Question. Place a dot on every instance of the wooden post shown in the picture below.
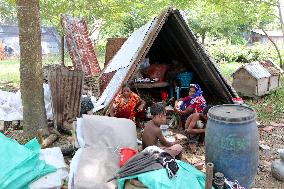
(209, 175)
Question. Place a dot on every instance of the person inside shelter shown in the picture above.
(193, 103)
(128, 105)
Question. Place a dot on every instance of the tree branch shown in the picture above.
(274, 44)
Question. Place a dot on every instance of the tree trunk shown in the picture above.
(281, 23)
(274, 44)
(34, 115)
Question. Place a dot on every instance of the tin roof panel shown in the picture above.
(127, 53)
(257, 70)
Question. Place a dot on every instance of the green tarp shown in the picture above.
(20, 164)
(187, 177)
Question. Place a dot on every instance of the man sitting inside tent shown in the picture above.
(195, 127)
(152, 132)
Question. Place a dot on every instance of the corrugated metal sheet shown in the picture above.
(270, 33)
(113, 45)
(256, 70)
(122, 62)
(66, 88)
(113, 86)
(127, 53)
(80, 46)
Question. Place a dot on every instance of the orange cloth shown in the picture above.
(126, 109)
(2, 53)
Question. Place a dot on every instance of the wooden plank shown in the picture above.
(151, 85)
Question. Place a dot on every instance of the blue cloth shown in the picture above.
(187, 177)
(198, 90)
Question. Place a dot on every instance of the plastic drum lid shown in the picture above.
(232, 113)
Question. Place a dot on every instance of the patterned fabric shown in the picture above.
(198, 104)
(126, 109)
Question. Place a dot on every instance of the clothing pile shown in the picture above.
(148, 161)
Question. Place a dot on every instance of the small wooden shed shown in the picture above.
(257, 78)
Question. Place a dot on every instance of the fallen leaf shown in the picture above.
(258, 123)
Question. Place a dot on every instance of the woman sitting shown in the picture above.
(128, 105)
(193, 103)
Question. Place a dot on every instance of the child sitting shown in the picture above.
(152, 132)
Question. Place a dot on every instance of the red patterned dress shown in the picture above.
(126, 109)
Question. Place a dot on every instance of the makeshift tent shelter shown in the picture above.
(166, 37)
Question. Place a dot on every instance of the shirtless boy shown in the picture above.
(152, 132)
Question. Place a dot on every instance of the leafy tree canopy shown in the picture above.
(220, 18)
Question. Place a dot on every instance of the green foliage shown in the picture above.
(219, 18)
(229, 18)
(227, 68)
(222, 52)
(8, 12)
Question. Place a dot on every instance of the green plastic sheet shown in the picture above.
(20, 164)
(187, 177)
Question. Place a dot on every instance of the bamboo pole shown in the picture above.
(62, 50)
(209, 175)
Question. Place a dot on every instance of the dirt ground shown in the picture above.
(272, 136)
(275, 140)
(263, 180)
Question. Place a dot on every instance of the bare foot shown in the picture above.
(192, 148)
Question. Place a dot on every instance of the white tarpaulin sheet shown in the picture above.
(11, 108)
(54, 157)
(100, 138)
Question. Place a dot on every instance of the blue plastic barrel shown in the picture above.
(232, 142)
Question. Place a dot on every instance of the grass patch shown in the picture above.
(270, 107)
(56, 59)
(228, 68)
(9, 68)
(9, 71)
